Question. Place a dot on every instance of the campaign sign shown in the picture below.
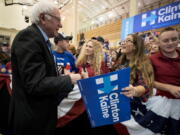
(161, 17)
(103, 99)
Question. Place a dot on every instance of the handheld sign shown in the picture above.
(103, 99)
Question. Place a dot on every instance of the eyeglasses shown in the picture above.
(126, 41)
(55, 17)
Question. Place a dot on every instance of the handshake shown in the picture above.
(76, 76)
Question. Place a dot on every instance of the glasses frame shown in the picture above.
(126, 41)
(55, 17)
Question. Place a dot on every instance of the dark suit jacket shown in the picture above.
(33, 107)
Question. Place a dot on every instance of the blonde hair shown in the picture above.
(97, 58)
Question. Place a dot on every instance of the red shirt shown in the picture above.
(166, 70)
(104, 69)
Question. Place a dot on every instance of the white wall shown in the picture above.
(68, 22)
(11, 20)
(11, 17)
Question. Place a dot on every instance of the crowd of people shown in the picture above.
(5, 57)
(45, 97)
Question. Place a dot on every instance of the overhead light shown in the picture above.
(111, 14)
(101, 19)
(55, 2)
(24, 7)
(92, 0)
(92, 22)
(103, 7)
(80, 2)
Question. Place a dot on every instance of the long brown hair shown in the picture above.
(139, 62)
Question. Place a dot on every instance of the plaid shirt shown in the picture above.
(140, 81)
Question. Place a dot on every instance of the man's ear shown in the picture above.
(42, 17)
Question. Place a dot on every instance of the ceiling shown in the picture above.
(92, 9)
(92, 12)
(97, 12)
(101, 10)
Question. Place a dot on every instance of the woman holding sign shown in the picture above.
(141, 80)
(90, 63)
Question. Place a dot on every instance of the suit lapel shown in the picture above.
(45, 47)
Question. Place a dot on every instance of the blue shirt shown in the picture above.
(62, 59)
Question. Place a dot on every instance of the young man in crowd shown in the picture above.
(166, 64)
(64, 59)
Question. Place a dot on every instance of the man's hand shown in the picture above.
(174, 90)
(74, 77)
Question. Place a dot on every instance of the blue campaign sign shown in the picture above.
(101, 94)
(161, 17)
(127, 26)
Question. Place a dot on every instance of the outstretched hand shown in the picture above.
(66, 72)
(84, 73)
(129, 91)
(74, 77)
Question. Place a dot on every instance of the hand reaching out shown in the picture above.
(174, 90)
(74, 77)
(84, 73)
(129, 91)
(66, 72)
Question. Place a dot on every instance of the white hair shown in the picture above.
(43, 6)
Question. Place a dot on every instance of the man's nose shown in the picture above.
(60, 25)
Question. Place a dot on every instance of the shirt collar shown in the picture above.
(43, 33)
(166, 58)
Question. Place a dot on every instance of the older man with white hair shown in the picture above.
(37, 90)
